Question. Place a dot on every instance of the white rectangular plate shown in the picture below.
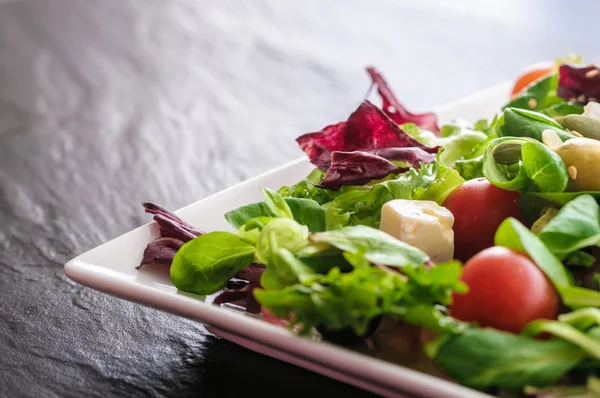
(110, 268)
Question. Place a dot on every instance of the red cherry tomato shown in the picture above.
(506, 291)
(531, 74)
(479, 208)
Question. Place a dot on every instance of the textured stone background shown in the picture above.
(104, 104)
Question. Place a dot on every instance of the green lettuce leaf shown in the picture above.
(362, 205)
(470, 168)
(459, 140)
(351, 300)
(307, 189)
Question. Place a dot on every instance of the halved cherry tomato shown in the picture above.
(478, 208)
(531, 74)
(506, 291)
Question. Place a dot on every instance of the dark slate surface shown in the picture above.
(105, 104)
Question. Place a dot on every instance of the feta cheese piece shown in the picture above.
(420, 223)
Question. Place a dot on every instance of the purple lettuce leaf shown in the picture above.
(174, 232)
(243, 297)
(412, 156)
(366, 129)
(251, 273)
(355, 168)
(395, 110)
(579, 83)
(242, 294)
(171, 226)
(160, 251)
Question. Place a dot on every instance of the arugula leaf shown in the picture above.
(376, 246)
(485, 358)
(205, 264)
(577, 225)
(305, 211)
(514, 235)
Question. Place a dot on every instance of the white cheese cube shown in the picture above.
(420, 223)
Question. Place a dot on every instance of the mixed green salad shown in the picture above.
(480, 239)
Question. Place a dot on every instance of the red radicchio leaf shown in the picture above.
(243, 296)
(577, 83)
(171, 226)
(174, 232)
(396, 111)
(160, 251)
(366, 129)
(413, 156)
(251, 273)
(356, 167)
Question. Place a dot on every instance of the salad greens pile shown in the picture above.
(312, 254)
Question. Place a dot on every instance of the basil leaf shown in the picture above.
(514, 235)
(305, 211)
(377, 246)
(577, 225)
(525, 123)
(205, 264)
(485, 358)
(544, 167)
